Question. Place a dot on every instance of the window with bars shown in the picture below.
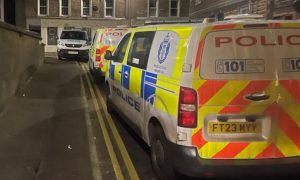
(85, 10)
(43, 7)
(64, 7)
(153, 8)
(174, 8)
(109, 8)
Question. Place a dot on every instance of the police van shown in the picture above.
(104, 39)
(212, 99)
(73, 43)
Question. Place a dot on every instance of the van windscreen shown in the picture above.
(78, 35)
(251, 54)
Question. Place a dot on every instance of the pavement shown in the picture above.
(43, 133)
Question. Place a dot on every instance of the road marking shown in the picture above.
(129, 165)
(92, 145)
(112, 154)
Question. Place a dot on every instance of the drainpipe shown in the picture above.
(251, 6)
(270, 9)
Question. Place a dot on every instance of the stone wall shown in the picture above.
(21, 53)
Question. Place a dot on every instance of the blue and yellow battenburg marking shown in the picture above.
(112, 71)
(138, 81)
(125, 79)
(147, 86)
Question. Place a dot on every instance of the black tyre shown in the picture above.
(59, 58)
(109, 107)
(161, 160)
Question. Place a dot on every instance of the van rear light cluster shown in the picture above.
(98, 55)
(187, 108)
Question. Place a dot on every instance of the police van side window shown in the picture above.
(140, 49)
(121, 49)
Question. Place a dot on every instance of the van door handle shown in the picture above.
(257, 96)
(120, 72)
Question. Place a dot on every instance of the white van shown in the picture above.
(212, 99)
(104, 39)
(73, 44)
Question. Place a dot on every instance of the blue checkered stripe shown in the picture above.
(148, 86)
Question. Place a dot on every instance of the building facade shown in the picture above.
(200, 9)
(50, 17)
(8, 9)
(271, 9)
(1, 10)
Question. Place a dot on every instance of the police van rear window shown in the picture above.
(112, 38)
(251, 54)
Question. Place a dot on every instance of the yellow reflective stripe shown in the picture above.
(135, 80)
(292, 108)
(198, 83)
(210, 149)
(227, 93)
(183, 32)
(177, 71)
(196, 76)
(290, 25)
(166, 96)
(117, 75)
(168, 80)
(252, 150)
(285, 144)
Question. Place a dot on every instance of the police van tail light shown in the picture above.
(187, 108)
(98, 55)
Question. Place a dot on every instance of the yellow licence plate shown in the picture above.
(233, 127)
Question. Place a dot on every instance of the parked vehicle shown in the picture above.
(104, 39)
(73, 44)
(212, 99)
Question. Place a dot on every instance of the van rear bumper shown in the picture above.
(186, 161)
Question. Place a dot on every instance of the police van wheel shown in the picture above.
(159, 156)
(59, 58)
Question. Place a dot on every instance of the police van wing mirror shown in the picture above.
(108, 55)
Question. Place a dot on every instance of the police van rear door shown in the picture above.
(248, 102)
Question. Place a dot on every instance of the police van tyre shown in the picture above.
(159, 156)
(59, 58)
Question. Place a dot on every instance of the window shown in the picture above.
(1, 10)
(42, 7)
(153, 8)
(140, 49)
(121, 49)
(174, 8)
(244, 10)
(85, 8)
(109, 8)
(64, 7)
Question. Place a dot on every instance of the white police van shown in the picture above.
(73, 44)
(212, 99)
